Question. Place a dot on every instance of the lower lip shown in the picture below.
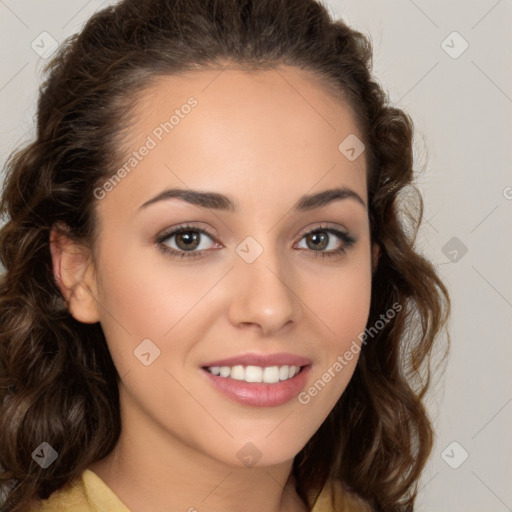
(260, 394)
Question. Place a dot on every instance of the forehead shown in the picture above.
(237, 129)
(300, 95)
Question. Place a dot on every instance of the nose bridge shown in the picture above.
(264, 288)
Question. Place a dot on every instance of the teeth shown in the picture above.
(237, 372)
(268, 375)
(271, 374)
(253, 374)
(284, 372)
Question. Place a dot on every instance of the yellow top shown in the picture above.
(91, 494)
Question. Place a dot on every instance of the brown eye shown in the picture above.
(319, 240)
(187, 240)
(327, 241)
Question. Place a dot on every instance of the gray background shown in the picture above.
(462, 105)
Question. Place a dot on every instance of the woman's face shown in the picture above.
(257, 282)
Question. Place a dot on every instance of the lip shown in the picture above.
(260, 394)
(262, 360)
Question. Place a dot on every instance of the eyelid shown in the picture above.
(323, 225)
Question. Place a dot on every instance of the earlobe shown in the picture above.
(73, 271)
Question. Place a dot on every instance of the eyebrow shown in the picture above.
(216, 201)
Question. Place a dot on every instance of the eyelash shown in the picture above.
(348, 241)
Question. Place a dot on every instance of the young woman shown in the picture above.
(212, 299)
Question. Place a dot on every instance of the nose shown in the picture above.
(263, 294)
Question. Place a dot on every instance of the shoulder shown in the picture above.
(70, 498)
(334, 497)
(87, 493)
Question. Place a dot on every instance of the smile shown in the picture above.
(268, 375)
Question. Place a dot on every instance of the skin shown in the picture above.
(264, 139)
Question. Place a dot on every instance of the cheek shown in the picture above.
(341, 297)
(146, 293)
(341, 302)
(140, 300)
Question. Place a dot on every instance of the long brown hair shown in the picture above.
(58, 383)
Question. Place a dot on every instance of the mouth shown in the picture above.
(259, 381)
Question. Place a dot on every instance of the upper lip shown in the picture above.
(263, 360)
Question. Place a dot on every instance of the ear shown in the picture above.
(375, 256)
(74, 273)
